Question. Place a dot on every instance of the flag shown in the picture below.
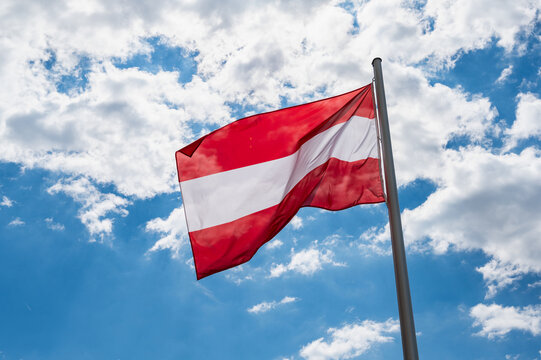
(243, 183)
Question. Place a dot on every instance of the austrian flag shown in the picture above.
(243, 183)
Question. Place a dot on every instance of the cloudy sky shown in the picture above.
(96, 96)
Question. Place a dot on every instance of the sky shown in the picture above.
(97, 96)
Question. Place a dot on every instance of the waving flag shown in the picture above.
(242, 183)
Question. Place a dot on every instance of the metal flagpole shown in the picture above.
(407, 326)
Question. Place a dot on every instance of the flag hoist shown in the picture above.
(243, 183)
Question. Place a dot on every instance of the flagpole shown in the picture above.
(407, 326)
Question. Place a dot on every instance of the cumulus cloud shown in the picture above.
(6, 202)
(475, 207)
(266, 306)
(296, 222)
(274, 244)
(374, 241)
(95, 205)
(483, 201)
(51, 224)
(290, 60)
(527, 122)
(497, 320)
(173, 232)
(498, 275)
(414, 105)
(305, 262)
(472, 25)
(119, 131)
(351, 340)
(123, 126)
(505, 74)
(16, 222)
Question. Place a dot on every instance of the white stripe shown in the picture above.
(226, 196)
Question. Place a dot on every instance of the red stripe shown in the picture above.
(269, 136)
(335, 185)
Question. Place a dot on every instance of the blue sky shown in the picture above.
(94, 256)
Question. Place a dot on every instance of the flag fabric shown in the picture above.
(243, 183)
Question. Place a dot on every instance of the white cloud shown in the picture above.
(511, 357)
(439, 29)
(505, 74)
(296, 222)
(173, 232)
(351, 340)
(124, 127)
(305, 262)
(244, 272)
(274, 244)
(16, 222)
(374, 241)
(238, 279)
(95, 206)
(414, 106)
(54, 225)
(471, 25)
(498, 275)
(119, 131)
(497, 321)
(477, 204)
(6, 202)
(266, 306)
(527, 122)
(475, 207)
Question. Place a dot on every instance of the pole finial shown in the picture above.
(376, 58)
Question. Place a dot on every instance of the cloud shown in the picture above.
(16, 222)
(121, 130)
(238, 279)
(95, 205)
(274, 244)
(305, 262)
(498, 275)
(527, 122)
(6, 202)
(53, 225)
(173, 232)
(266, 306)
(471, 25)
(123, 126)
(475, 207)
(413, 109)
(505, 74)
(374, 241)
(296, 222)
(497, 321)
(351, 340)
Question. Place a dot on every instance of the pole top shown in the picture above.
(376, 59)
